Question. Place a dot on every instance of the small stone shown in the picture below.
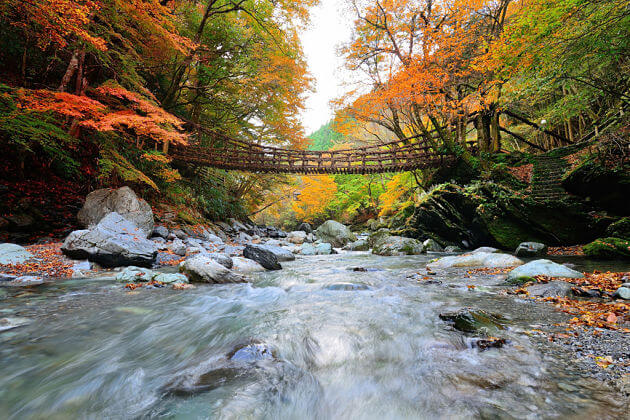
(160, 232)
(135, 275)
(178, 247)
(171, 278)
(531, 249)
(623, 293)
(10, 323)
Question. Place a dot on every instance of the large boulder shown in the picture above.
(13, 254)
(531, 249)
(541, 268)
(246, 266)
(223, 259)
(297, 237)
(397, 245)
(477, 260)
(123, 201)
(335, 233)
(113, 242)
(282, 254)
(305, 227)
(262, 256)
(203, 269)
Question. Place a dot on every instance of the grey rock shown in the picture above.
(297, 237)
(262, 256)
(24, 281)
(114, 242)
(160, 232)
(244, 237)
(543, 268)
(396, 245)
(163, 258)
(215, 239)
(246, 266)
(452, 248)
(316, 249)
(551, 289)
(623, 293)
(123, 201)
(179, 234)
(305, 227)
(171, 278)
(202, 269)
(252, 353)
(178, 247)
(359, 245)
(193, 243)
(135, 275)
(479, 259)
(159, 241)
(237, 226)
(335, 233)
(431, 246)
(222, 259)
(13, 254)
(486, 249)
(531, 249)
(282, 254)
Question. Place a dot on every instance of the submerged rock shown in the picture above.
(114, 242)
(123, 201)
(531, 249)
(13, 322)
(335, 233)
(478, 260)
(24, 281)
(13, 254)
(251, 353)
(542, 268)
(203, 269)
(135, 275)
(171, 278)
(346, 287)
(262, 256)
(475, 321)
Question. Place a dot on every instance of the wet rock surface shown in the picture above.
(262, 256)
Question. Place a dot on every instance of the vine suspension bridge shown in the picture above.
(232, 154)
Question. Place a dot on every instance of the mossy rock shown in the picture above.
(608, 248)
(475, 321)
(619, 229)
(609, 188)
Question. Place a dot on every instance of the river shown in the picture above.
(94, 350)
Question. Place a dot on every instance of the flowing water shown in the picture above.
(94, 350)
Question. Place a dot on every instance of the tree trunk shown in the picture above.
(80, 85)
(70, 70)
(495, 133)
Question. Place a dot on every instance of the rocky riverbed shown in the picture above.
(305, 317)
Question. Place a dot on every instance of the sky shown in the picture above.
(329, 27)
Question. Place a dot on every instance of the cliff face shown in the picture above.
(489, 214)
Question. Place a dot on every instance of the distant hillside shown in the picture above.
(324, 138)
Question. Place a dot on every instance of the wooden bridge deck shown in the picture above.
(233, 154)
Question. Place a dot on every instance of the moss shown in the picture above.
(608, 248)
(619, 229)
(187, 218)
(519, 281)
